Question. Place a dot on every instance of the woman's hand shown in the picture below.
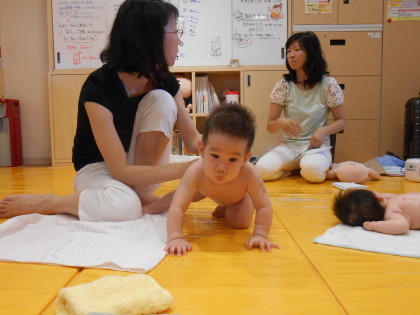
(291, 128)
(317, 139)
(182, 167)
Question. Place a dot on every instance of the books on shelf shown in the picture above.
(177, 145)
(206, 97)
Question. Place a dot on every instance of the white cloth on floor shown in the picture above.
(358, 238)
(136, 246)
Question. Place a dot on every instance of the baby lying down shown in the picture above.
(384, 213)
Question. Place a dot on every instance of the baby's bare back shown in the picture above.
(409, 205)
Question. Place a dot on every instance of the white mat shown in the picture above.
(358, 238)
(136, 246)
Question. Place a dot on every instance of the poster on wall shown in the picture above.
(259, 32)
(318, 6)
(216, 32)
(403, 10)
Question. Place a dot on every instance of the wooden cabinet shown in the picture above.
(352, 53)
(64, 97)
(256, 89)
(343, 12)
(362, 96)
(359, 142)
(351, 38)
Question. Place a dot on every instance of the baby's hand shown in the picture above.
(178, 246)
(261, 242)
(368, 225)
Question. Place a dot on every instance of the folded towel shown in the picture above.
(358, 238)
(134, 295)
(136, 246)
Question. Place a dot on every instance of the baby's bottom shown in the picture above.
(103, 198)
(238, 215)
(281, 160)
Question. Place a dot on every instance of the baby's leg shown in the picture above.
(239, 215)
(164, 203)
(219, 212)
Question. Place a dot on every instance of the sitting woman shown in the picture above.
(126, 113)
(307, 94)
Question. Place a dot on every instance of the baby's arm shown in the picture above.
(263, 214)
(397, 224)
(183, 196)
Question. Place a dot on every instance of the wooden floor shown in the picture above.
(221, 277)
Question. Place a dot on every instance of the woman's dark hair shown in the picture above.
(136, 41)
(316, 65)
(355, 206)
(231, 119)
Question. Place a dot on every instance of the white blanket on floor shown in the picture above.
(358, 238)
(136, 246)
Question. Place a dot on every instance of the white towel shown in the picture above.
(358, 238)
(136, 246)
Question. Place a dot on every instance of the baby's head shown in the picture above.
(227, 140)
(355, 206)
(232, 120)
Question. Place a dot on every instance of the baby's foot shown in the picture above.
(219, 212)
(14, 205)
(151, 209)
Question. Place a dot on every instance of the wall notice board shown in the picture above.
(215, 31)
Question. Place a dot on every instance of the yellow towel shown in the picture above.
(135, 295)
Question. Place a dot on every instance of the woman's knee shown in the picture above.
(313, 170)
(110, 204)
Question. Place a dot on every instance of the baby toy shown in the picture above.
(352, 172)
(186, 90)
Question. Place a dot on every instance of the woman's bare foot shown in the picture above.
(14, 205)
(152, 209)
(219, 212)
(159, 205)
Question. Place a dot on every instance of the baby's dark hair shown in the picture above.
(355, 206)
(231, 119)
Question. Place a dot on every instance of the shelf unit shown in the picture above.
(65, 85)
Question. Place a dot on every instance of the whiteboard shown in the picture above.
(215, 31)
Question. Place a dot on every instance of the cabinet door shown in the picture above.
(362, 95)
(352, 53)
(299, 16)
(360, 11)
(65, 90)
(359, 142)
(257, 86)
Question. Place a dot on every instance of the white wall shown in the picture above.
(24, 44)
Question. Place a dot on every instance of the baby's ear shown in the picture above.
(200, 148)
(378, 196)
(247, 157)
